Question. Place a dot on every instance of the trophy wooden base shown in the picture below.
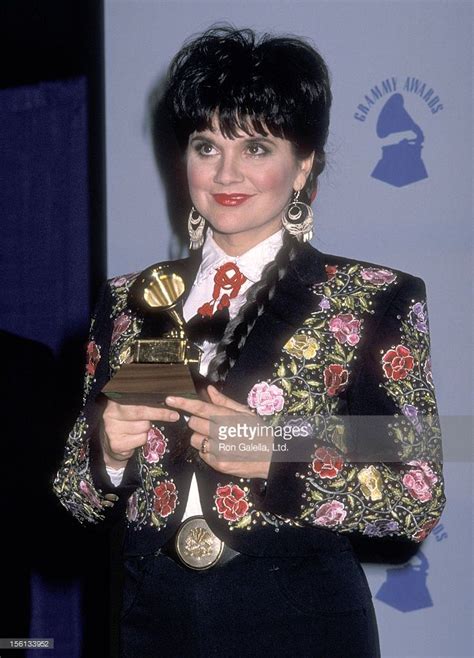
(150, 383)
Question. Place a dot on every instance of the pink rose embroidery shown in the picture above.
(119, 281)
(330, 514)
(345, 328)
(378, 276)
(429, 474)
(93, 357)
(230, 502)
(132, 507)
(121, 325)
(86, 489)
(419, 481)
(165, 499)
(266, 399)
(155, 446)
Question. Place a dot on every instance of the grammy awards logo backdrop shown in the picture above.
(401, 106)
(406, 588)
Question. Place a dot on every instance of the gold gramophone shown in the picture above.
(159, 361)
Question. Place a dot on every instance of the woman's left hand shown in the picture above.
(215, 448)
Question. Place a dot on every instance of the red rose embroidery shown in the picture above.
(230, 502)
(397, 362)
(327, 463)
(93, 357)
(121, 325)
(165, 498)
(330, 271)
(335, 378)
(425, 529)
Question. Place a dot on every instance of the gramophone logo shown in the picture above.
(398, 129)
(406, 587)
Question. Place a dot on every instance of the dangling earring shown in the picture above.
(298, 219)
(196, 225)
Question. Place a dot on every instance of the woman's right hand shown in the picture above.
(125, 428)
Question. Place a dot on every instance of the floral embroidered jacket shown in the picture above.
(343, 353)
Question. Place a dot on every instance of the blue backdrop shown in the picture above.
(44, 311)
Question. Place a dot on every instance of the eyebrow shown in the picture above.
(255, 138)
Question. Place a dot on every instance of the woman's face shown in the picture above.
(242, 185)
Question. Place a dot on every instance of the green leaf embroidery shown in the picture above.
(244, 521)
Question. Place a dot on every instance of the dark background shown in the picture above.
(55, 573)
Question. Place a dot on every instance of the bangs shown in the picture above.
(232, 123)
(229, 80)
(232, 109)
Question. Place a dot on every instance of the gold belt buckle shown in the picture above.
(196, 545)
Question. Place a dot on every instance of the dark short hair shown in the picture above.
(278, 83)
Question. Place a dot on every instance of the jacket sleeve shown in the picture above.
(375, 468)
(81, 482)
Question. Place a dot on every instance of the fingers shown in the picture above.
(246, 468)
(196, 442)
(208, 456)
(132, 427)
(200, 425)
(126, 427)
(194, 407)
(139, 412)
(124, 445)
(220, 405)
(224, 401)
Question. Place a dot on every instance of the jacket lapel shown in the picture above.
(291, 304)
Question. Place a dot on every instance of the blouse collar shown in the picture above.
(251, 263)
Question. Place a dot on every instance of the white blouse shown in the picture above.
(251, 264)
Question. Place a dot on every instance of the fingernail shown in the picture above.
(106, 503)
(170, 399)
(174, 416)
(111, 497)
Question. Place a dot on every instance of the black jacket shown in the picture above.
(343, 345)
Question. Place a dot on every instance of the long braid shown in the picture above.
(258, 296)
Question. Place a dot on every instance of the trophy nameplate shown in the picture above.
(157, 363)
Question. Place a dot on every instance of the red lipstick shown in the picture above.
(231, 199)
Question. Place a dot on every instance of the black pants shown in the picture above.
(318, 607)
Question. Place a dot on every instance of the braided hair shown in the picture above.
(258, 296)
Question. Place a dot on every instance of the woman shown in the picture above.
(315, 345)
